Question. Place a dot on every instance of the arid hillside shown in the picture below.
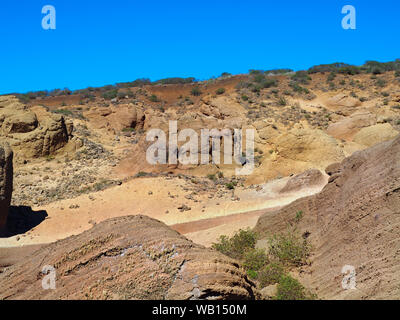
(325, 144)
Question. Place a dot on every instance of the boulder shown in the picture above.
(307, 179)
(28, 136)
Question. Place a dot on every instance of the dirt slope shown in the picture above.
(354, 220)
(132, 257)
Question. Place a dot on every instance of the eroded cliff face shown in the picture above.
(354, 220)
(132, 257)
(6, 181)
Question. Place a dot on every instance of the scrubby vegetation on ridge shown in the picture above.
(272, 265)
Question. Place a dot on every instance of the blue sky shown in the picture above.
(104, 42)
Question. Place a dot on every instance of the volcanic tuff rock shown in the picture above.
(309, 178)
(6, 180)
(354, 220)
(132, 257)
(29, 137)
(126, 116)
(372, 135)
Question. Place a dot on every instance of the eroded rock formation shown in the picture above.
(132, 257)
(6, 180)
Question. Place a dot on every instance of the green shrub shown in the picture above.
(220, 91)
(64, 112)
(175, 80)
(270, 274)
(142, 174)
(301, 76)
(268, 83)
(111, 94)
(380, 83)
(254, 259)
(252, 274)
(230, 186)
(237, 245)
(297, 88)
(289, 248)
(331, 76)
(154, 98)
(282, 101)
(196, 91)
(299, 214)
(211, 177)
(291, 289)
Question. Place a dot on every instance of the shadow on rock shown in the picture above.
(21, 219)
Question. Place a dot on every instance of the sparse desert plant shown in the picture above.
(195, 91)
(154, 98)
(110, 94)
(380, 83)
(301, 77)
(282, 101)
(64, 112)
(291, 289)
(236, 246)
(299, 215)
(289, 248)
(270, 274)
(254, 259)
(331, 76)
(230, 185)
(220, 91)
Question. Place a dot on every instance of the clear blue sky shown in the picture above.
(104, 42)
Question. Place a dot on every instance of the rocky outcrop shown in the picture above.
(28, 137)
(347, 127)
(308, 179)
(116, 118)
(343, 103)
(6, 181)
(133, 257)
(354, 220)
(375, 134)
(307, 145)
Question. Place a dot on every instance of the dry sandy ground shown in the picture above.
(151, 196)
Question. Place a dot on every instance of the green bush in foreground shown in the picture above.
(254, 259)
(291, 289)
(237, 245)
(270, 274)
(289, 248)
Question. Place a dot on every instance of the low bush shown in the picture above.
(254, 259)
(289, 248)
(270, 274)
(237, 245)
(291, 289)
(220, 91)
